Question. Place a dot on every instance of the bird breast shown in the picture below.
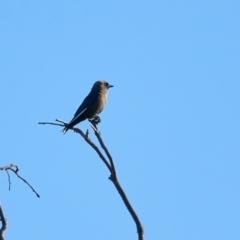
(102, 99)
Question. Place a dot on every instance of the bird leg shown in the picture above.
(87, 134)
(95, 120)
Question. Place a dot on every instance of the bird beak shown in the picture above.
(109, 86)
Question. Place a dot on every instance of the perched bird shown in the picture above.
(92, 105)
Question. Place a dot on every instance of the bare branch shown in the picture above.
(119, 188)
(14, 168)
(4, 223)
(9, 180)
(88, 140)
(110, 166)
(57, 124)
(98, 135)
(85, 137)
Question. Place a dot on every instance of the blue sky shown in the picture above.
(171, 121)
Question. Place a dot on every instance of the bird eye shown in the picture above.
(106, 84)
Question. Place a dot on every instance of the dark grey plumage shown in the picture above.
(92, 105)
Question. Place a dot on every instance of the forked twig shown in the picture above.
(110, 166)
(14, 168)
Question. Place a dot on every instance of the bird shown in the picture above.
(92, 105)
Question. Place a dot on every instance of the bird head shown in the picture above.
(101, 85)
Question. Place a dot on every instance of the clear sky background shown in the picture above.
(172, 121)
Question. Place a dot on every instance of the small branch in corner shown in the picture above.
(4, 223)
(14, 168)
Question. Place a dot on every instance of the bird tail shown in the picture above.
(64, 130)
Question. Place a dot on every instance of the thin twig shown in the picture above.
(10, 166)
(25, 182)
(57, 124)
(9, 180)
(61, 121)
(14, 168)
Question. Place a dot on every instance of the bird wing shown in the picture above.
(87, 102)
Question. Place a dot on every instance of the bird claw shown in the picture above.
(95, 120)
